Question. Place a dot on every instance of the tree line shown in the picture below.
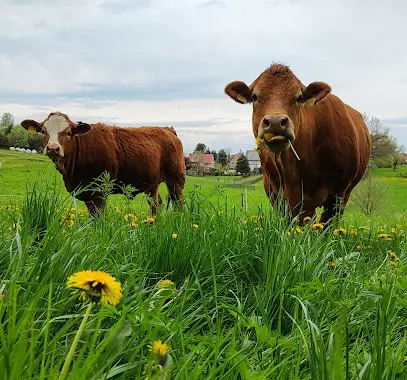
(12, 134)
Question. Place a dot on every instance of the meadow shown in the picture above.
(221, 290)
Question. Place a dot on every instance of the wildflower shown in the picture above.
(149, 220)
(259, 228)
(268, 136)
(317, 226)
(333, 265)
(195, 226)
(393, 256)
(174, 236)
(340, 231)
(307, 219)
(259, 142)
(380, 230)
(353, 233)
(384, 236)
(165, 283)
(288, 233)
(70, 223)
(358, 247)
(298, 230)
(393, 230)
(96, 284)
(160, 350)
(363, 227)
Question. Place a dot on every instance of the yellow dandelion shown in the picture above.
(149, 220)
(259, 142)
(358, 247)
(317, 226)
(340, 231)
(384, 236)
(195, 226)
(363, 227)
(96, 285)
(333, 265)
(288, 233)
(160, 350)
(259, 228)
(174, 236)
(268, 136)
(353, 233)
(307, 219)
(393, 231)
(165, 283)
(298, 230)
(133, 224)
(380, 230)
(70, 223)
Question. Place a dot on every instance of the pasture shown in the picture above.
(250, 296)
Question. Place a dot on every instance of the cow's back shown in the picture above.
(149, 155)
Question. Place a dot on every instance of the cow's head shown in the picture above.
(59, 132)
(277, 96)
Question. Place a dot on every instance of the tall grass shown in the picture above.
(256, 297)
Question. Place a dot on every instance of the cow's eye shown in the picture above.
(254, 97)
(69, 133)
(299, 98)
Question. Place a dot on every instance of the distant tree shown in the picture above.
(18, 137)
(35, 141)
(200, 147)
(188, 163)
(215, 155)
(384, 147)
(6, 123)
(222, 157)
(242, 165)
(207, 151)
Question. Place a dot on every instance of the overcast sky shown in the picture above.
(147, 62)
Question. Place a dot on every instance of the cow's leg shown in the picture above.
(95, 205)
(333, 209)
(176, 192)
(154, 199)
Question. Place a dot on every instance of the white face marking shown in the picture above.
(54, 125)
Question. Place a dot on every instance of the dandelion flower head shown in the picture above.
(96, 285)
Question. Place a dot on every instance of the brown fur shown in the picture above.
(331, 139)
(141, 157)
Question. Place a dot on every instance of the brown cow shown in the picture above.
(141, 157)
(330, 137)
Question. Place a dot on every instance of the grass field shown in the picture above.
(250, 296)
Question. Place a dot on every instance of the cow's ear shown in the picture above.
(314, 93)
(239, 92)
(81, 128)
(32, 126)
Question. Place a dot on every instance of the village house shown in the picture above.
(254, 159)
(202, 163)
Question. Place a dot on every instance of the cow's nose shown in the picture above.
(53, 150)
(279, 122)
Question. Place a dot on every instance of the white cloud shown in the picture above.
(168, 61)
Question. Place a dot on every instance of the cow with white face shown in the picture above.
(140, 157)
(58, 131)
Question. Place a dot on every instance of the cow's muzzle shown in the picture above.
(54, 151)
(278, 132)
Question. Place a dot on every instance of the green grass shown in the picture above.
(255, 297)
